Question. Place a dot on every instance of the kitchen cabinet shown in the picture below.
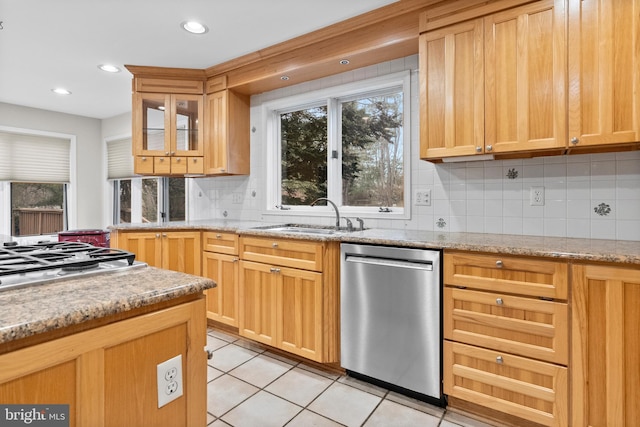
(507, 335)
(604, 83)
(220, 262)
(227, 133)
(289, 295)
(171, 250)
(605, 345)
(492, 81)
(168, 138)
(108, 374)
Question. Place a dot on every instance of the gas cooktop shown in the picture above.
(25, 265)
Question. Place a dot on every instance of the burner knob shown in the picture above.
(7, 244)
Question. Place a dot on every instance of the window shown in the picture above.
(141, 199)
(35, 170)
(348, 144)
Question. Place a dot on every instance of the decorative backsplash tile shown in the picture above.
(602, 209)
(512, 173)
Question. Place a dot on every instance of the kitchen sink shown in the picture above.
(304, 229)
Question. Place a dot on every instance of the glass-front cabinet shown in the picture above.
(168, 135)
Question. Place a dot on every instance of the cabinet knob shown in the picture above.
(478, 149)
(274, 245)
(195, 160)
(178, 159)
(173, 153)
(275, 270)
(161, 159)
(157, 235)
(144, 159)
(499, 360)
(499, 301)
(499, 263)
(164, 234)
(218, 236)
(236, 259)
(489, 147)
(575, 140)
(166, 153)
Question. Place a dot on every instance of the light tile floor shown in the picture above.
(250, 386)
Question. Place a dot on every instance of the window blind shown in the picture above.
(34, 158)
(119, 159)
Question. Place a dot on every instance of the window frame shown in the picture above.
(136, 199)
(332, 97)
(71, 208)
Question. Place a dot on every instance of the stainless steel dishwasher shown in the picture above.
(390, 325)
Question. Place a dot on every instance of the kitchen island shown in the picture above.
(94, 343)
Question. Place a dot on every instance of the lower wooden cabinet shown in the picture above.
(282, 307)
(171, 250)
(605, 359)
(519, 386)
(108, 375)
(289, 295)
(220, 263)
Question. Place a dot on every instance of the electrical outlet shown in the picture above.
(169, 375)
(423, 198)
(536, 196)
(237, 198)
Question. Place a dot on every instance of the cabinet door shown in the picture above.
(217, 119)
(452, 91)
(605, 346)
(186, 130)
(525, 388)
(604, 82)
(146, 246)
(525, 71)
(222, 301)
(181, 251)
(257, 315)
(299, 308)
(151, 124)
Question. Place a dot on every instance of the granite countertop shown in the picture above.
(41, 308)
(595, 250)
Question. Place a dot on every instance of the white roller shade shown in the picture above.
(119, 159)
(34, 158)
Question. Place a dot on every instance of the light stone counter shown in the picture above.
(593, 250)
(46, 307)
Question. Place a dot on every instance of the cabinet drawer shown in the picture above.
(178, 165)
(524, 326)
(143, 165)
(162, 165)
(289, 253)
(168, 85)
(525, 388)
(508, 274)
(195, 165)
(216, 241)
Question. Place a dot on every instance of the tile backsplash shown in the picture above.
(590, 195)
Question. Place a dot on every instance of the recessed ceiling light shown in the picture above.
(109, 68)
(61, 91)
(194, 27)
(344, 62)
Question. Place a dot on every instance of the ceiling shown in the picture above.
(46, 44)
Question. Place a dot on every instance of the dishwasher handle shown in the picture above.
(388, 262)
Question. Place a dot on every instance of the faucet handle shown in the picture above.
(361, 222)
(349, 224)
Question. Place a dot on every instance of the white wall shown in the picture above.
(89, 154)
(471, 196)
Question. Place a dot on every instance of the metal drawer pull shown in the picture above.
(218, 236)
(499, 263)
(499, 360)
(275, 270)
(499, 301)
(209, 354)
(274, 244)
(157, 235)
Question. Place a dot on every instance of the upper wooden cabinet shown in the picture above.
(493, 84)
(167, 133)
(178, 130)
(604, 81)
(227, 133)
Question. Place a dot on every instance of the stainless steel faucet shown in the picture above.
(334, 207)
